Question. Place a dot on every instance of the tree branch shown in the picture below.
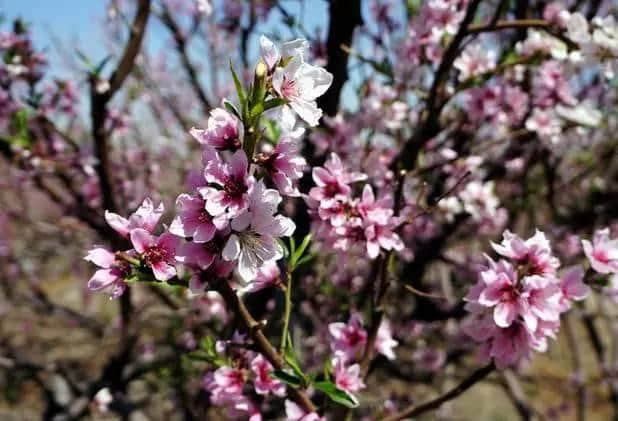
(345, 16)
(414, 411)
(234, 303)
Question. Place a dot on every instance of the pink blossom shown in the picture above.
(294, 412)
(224, 131)
(347, 378)
(267, 275)
(602, 253)
(546, 124)
(475, 60)
(232, 181)
(263, 382)
(157, 252)
(200, 280)
(384, 340)
(113, 272)
(535, 252)
(145, 217)
(193, 220)
(572, 286)
(332, 181)
(285, 165)
(255, 232)
(348, 339)
(225, 385)
(301, 84)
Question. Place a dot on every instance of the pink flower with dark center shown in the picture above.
(229, 195)
(268, 275)
(572, 286)
(145, 217)
(533, 256)
(225, 385)
(602, 253)
(263, 382)
(347, 378)
(157, 252)
(224, 131)
(508, 346)
(194, 221)
(301, 84)
(255, 232)
(285, 165)
(113, 273)
(348, 339)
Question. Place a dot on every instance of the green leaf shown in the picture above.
(256, 110)
(231, 108)
(208, 345)
(290, 358)
(336, 395)
(99, 68)
(84, 59)
(272, 131)
(287, 378)
(240, 90)
(297, 253)
(19, 128)
(274, 103)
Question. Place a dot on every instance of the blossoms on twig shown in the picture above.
(516, 303)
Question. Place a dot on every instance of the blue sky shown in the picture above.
(78, 23)
(67, 19)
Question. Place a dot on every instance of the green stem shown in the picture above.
(286, 313)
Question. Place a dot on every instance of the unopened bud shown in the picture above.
(261, 69)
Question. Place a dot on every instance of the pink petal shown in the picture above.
(100, 257)
(101, 279)
(141, 239)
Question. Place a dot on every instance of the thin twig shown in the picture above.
(414, 410)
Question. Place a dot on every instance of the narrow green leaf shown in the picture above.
(336, 395)
(240, 90)
(287, 378)
(99, 68)
(231, 108)
(274, 103)
(291, 359)
(256, 110)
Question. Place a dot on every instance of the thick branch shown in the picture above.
(99, 101)
(345, 15)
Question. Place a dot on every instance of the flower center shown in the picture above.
(156, 254)
(234, 187)
(289, 88)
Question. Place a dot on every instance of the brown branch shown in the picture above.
(414, 411)
(253, 327)
(344, 17)
(430, 126)
(99, 101)
(516, 394)
(521, 24)
(125, 66)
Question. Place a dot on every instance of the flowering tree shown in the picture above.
(294, 225)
